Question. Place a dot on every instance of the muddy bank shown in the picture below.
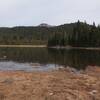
(23, 46)
(63, 84)
(45, 46)
(77, 48)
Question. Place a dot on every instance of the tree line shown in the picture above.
(82, 35)
(73, 34)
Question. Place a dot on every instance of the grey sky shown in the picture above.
(54, 12)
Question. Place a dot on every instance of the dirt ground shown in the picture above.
(63, 84)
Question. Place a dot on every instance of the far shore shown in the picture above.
(80, 48)
(30, 46)
(54, 47)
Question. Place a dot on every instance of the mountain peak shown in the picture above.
(45, 25)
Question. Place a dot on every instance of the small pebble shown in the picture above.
(50, 94)
(93, 92)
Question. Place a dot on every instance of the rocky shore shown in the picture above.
(62, 84)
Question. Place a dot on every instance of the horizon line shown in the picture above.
(49, 24)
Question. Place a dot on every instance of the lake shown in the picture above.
(44, 59)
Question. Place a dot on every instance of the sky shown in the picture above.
(53, 12)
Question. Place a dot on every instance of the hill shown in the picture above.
(38, 35)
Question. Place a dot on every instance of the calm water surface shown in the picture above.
(44, 59)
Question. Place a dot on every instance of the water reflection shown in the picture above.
(78, 59)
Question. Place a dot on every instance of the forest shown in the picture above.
(78, 34)
(81, 35)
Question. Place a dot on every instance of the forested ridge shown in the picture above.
(79, 34)
(73, 34)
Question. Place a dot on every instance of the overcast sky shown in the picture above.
(54, 12)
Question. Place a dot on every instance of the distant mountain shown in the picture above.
(45, 25)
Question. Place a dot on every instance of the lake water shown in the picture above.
(44, 59)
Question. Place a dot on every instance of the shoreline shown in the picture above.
(45, 46)
(80, 48)
(31, 46)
